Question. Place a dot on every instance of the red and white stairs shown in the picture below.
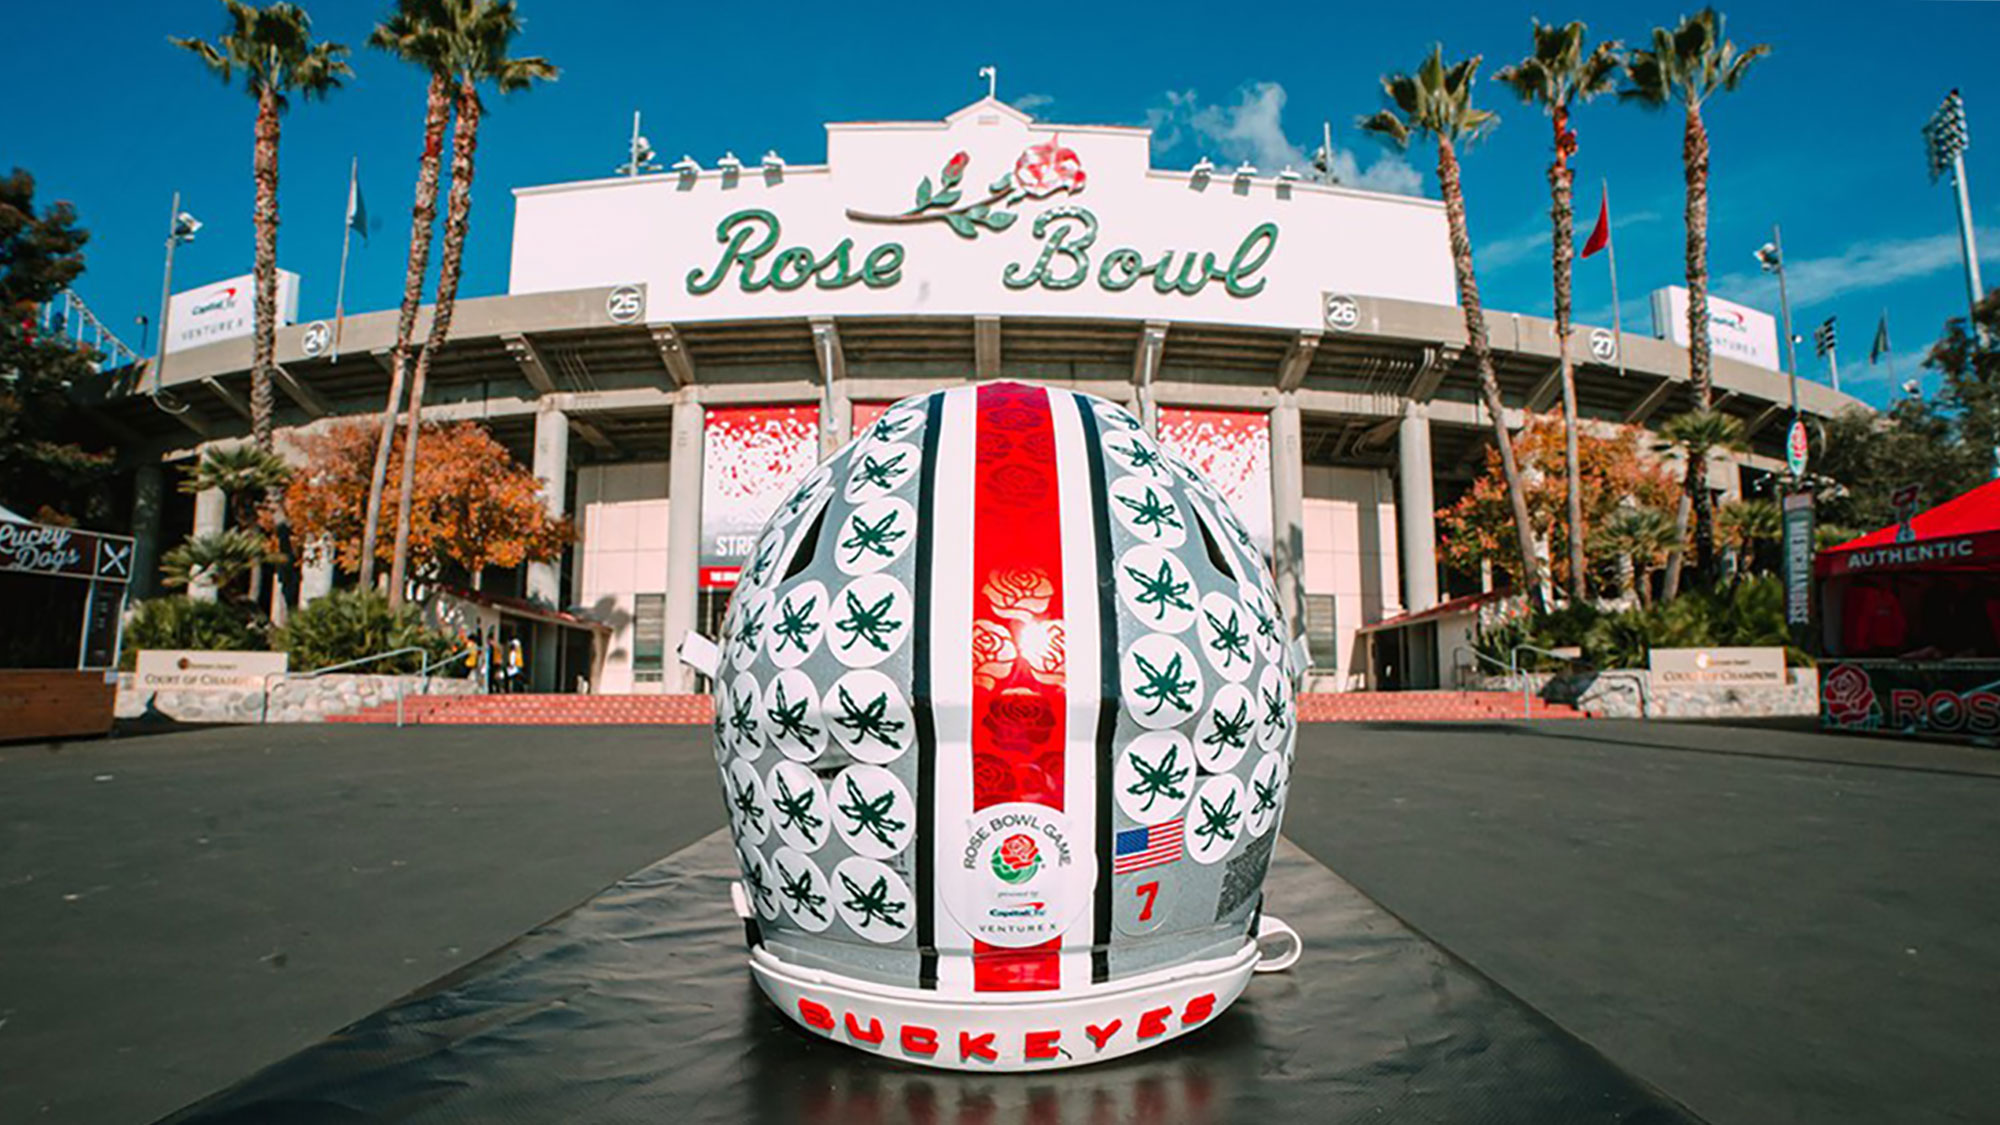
(601, 710)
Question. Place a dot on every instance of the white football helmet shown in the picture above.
(1005, 715)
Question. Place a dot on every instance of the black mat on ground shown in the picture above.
(638, 1007)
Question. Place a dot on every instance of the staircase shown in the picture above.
(1426, 707)
(695, 710)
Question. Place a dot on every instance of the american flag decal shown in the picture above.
(1136, 849)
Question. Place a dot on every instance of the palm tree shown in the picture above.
(1640, 538)
(273, 49)
(1696, 434)
(1685, 67)
(475, 37)
(1746, 523)
(1558, 76)
(415, 33)
(243, 473)
(246, 476)
(213, 561)
(1436, 102)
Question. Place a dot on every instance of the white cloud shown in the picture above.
(1868, 264)
(1034, 103)
(1253, 129)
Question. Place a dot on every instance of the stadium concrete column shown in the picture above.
(1416, 508)
(1288, 510)
(683, 538)
(147, 487)
(552, 469)
(210, 510)
(545, 578)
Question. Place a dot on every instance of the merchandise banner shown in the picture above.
(1233, 450)
(751, 457)
(1951, 698)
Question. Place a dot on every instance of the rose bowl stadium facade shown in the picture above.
(675, 350)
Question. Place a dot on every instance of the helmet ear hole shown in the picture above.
(807, 545)
(1217, 557)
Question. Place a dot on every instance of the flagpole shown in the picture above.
(1611, 249)
(346, 237)
(1889, 351)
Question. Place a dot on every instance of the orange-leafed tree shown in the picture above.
(1613, 472)
(472, 506)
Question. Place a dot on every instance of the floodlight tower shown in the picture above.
(1946, 139)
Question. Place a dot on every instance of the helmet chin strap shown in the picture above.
(1267, 927)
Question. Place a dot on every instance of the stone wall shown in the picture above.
(1630, 694)
(293, 699)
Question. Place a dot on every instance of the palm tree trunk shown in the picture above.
(1562, 215)
(1671, 588)
(1694, 155)
(1482, 358)
(464, 143)
(423, 217)
(264, 340)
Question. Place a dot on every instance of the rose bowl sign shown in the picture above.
(985, 213)
(1958, 699)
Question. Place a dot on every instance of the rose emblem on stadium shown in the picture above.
(1017, 860)
(1847, 696)
(1047, 168)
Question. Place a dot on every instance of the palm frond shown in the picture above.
(1688, 63)
(272, 48)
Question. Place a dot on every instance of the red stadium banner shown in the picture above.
(751, 458)
(1233, 450)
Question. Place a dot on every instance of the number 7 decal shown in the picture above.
(1151, 893)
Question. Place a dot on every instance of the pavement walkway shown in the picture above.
(1771, 925)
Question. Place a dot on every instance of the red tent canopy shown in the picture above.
(1962, 534)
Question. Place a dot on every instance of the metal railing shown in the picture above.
(402, 680)
(1495, 661)
(1615, 675)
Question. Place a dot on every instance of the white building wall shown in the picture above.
(1350, 526)
(623, 553)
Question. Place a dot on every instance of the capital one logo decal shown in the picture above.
(223, 299)
(1068, 258)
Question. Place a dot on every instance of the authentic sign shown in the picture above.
(35, 548)
(189, 670)
(1717, 667)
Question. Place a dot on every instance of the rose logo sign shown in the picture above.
(1848, 696)
(1017, 860)
(1047, 168)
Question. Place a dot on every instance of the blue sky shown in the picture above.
(1823, 138)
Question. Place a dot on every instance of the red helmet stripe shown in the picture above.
(1019, 699)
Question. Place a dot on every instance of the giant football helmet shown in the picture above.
(1005, 716)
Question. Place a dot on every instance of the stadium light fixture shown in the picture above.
(1945, 141)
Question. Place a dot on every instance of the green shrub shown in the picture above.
(350, 624)
(1747, 612)
(181, 622)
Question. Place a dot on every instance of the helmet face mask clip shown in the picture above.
(1004, 719)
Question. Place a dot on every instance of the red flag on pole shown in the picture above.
(1600, 235)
